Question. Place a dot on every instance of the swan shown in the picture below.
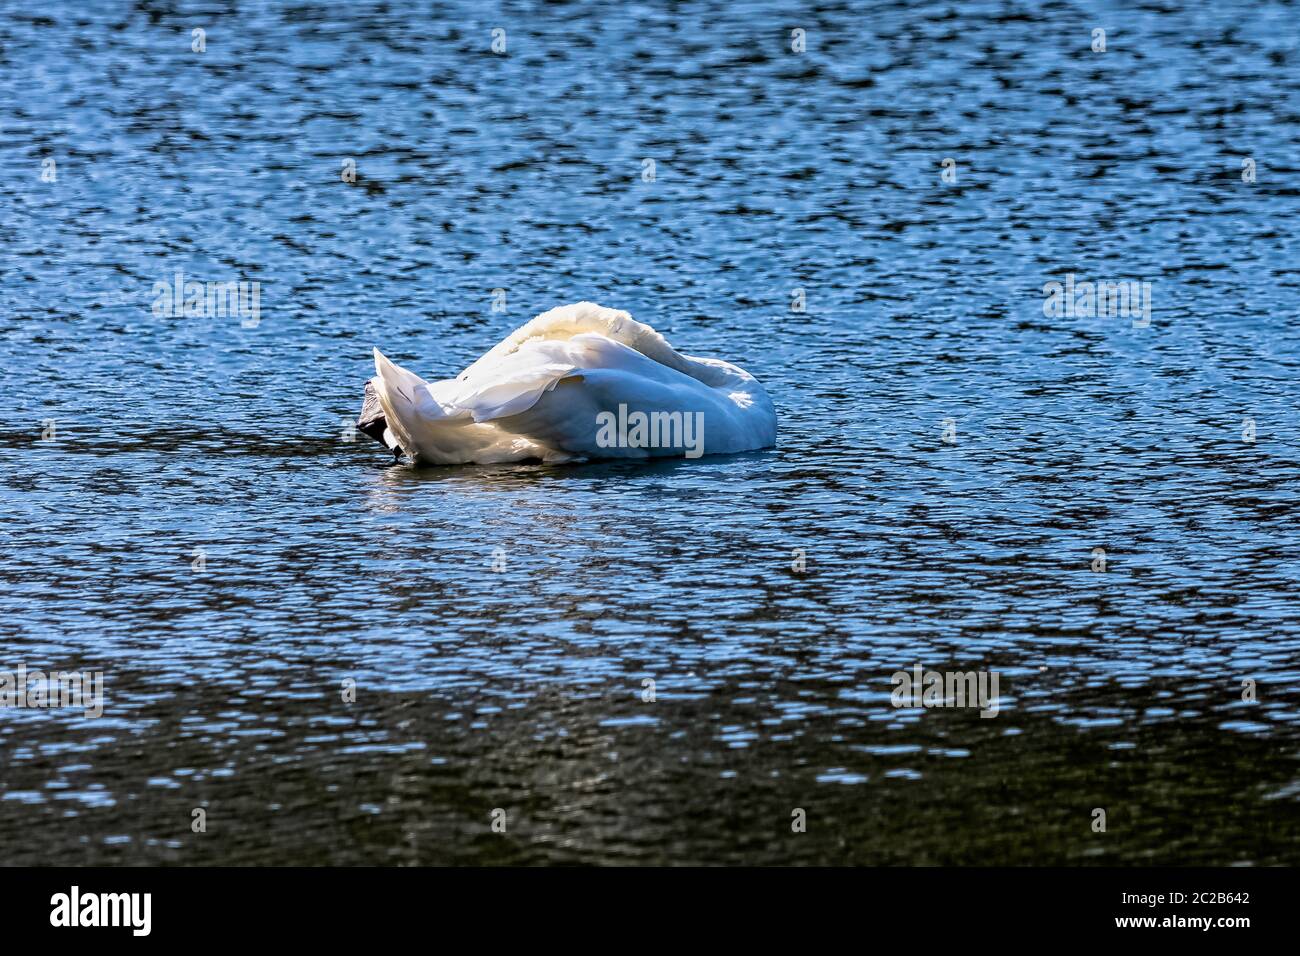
(580, 381)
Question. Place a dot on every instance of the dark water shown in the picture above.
(520, 689)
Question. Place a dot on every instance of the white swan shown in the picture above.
(579, 381)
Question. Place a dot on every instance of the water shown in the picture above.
(521, 689)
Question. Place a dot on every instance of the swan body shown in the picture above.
(579, 381)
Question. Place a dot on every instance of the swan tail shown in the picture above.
(372, 421)
(397, 402)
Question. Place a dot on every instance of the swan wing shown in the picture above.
(515, 387)
(513, 381)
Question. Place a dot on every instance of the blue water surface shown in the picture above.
(341, 659)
